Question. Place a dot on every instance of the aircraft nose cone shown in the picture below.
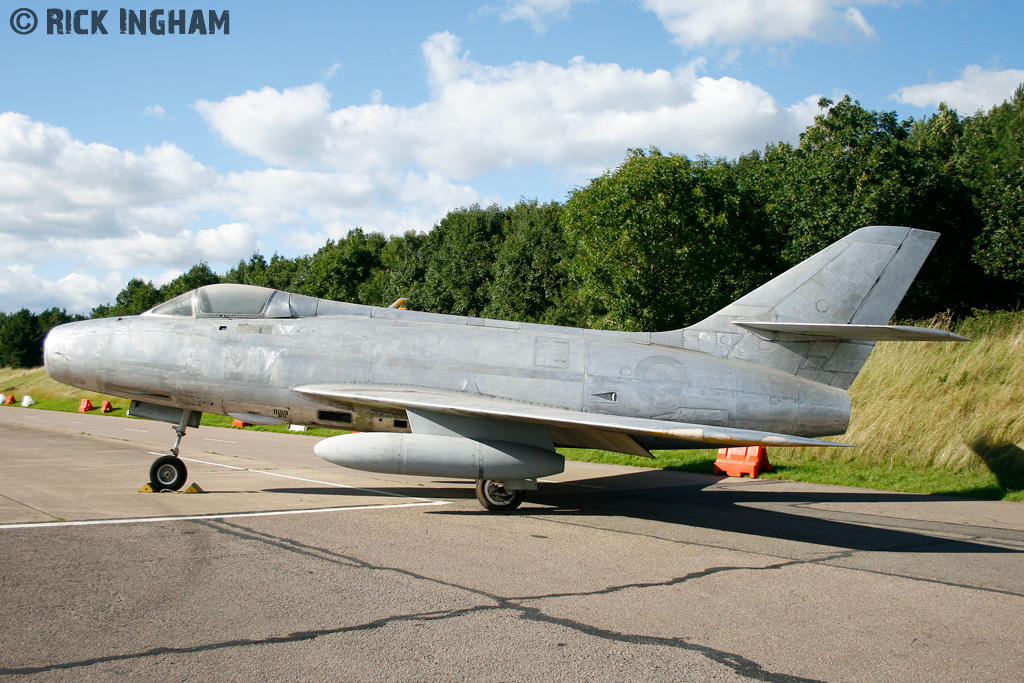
(55, 353)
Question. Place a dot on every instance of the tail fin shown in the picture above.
(820, 319)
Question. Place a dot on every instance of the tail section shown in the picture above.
(820, 319)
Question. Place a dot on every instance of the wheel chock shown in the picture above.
(85, 406)
(106, 407)
(148, 488)
(735, 462)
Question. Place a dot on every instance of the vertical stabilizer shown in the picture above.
(857, 281)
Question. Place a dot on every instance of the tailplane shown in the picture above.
(820, 319)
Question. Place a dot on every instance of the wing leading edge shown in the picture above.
(569, 427)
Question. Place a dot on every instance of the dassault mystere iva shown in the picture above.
(489, 400)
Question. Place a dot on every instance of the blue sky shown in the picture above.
(140, 155)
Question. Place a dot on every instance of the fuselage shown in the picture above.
(248, 366)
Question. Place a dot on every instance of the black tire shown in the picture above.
(167, 472)
(496, 498)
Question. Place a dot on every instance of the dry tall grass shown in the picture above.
(37, 384)
(954, 406)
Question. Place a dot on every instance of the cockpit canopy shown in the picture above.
(238, 301)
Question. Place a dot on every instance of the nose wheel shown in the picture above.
(495, 497)
(168, 472)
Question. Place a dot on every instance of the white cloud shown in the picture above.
(72, 213)
(698, 23)
(156, 111)
(53, 183)
(140, 249)
(576, 119)
(101, 215)
(289, 128)
(76, 292)
(534, 12)
(977, 89)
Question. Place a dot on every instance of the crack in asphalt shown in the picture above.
(737, 663)
(824, 560)
(519, 605)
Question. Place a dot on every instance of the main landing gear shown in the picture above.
(168, 471)
(495, 497)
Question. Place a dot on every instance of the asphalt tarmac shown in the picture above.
(288, 568)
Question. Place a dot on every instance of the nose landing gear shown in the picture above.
(168, 471)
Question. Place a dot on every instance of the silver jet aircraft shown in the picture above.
(490, 400)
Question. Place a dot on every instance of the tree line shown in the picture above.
(664, 240)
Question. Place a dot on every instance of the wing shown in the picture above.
(568, 427)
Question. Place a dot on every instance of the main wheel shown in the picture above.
(167, 472)
(495, 497)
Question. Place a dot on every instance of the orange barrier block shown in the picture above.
(735, 462)
(239, 423)
(85, 406)
(106, 407)
(9, 401)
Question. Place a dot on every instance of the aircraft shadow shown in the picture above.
(764, 513)
(389, 492)
(673, 499)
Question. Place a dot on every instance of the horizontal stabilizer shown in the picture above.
(607, 429)
(851, 332)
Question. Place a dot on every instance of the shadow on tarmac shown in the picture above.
(767, 513)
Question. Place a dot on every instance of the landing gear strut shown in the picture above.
(168, 471)
(495, 497)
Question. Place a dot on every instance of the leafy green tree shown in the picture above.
(21, 340)
(400, 273)
(137, 297)
(529, 270)
(197, 276)
(459, 254)
(339, 268)
(848, 171)
(52, 317)
(251, 273)
(280, 273)
(856, 167)
(660, 242)
(991, 159)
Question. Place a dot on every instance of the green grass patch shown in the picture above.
(119, 407)
(211, 420)
(701, 462)
(792, 466)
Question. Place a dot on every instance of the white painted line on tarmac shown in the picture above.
(203, 462)
(141, 431)
(309, 481)
(229, 515)
(219, 440)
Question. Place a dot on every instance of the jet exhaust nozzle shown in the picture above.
(439, 456)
